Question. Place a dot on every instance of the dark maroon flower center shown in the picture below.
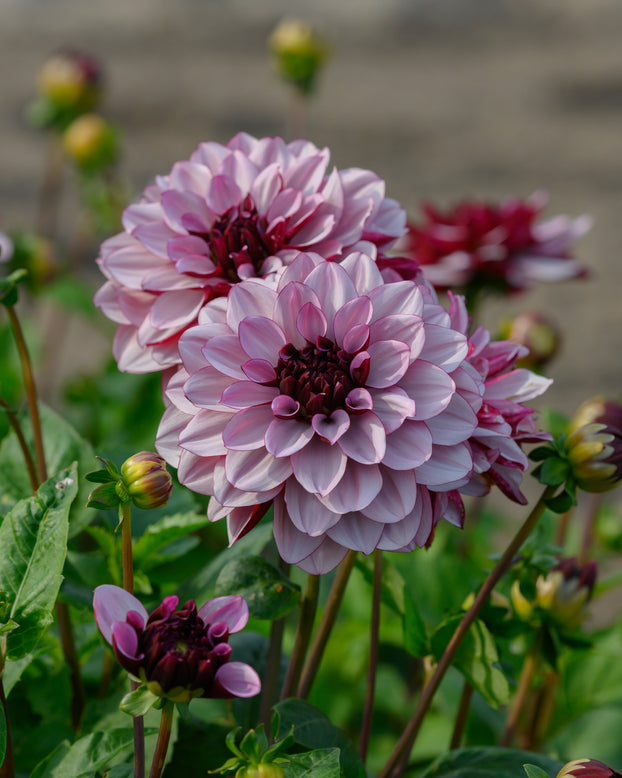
(318, 377)
(238, 238)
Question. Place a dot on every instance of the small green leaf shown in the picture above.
(33, 545)
(164, 532)
(268, 593)
(138, 702)
(86, 755)
(533, 771)
(415, 639)
(8, 287)
(561, 503)
(319, 763)
(554, 471)
(541, 453)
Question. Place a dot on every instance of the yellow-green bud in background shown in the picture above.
(90, 142)
(298, 53)
(70, 81)
(587, 768)
(537, 333)
(146, 480)
(594, 452)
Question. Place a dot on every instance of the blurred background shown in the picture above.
(445, 99)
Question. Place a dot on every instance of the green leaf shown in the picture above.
(33, 544)
(313, 729)
(488, 762)
(319, 763)
(138, 702)
(163, 532)
(541, 453)
(85, 756)
(415, 639)
(268, 593)
(554, 471)
(2, 733)
(62, 445)
(476, 659)
(561, 503)
(533, 771)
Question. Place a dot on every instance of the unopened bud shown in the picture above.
(298, 53)
(594, 452)
(70, 80)
(146, 480)
(534, 331)
(587, 768)
(91, 142)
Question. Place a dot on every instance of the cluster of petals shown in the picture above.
(504, 247)
(178, 653)
(504, 423)
(229, 213)
(343, 401)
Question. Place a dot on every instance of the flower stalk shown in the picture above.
(19, 434)
(409, 736)
(461, 715)
(308, 608)
(327, 622)
(530, 665)
(164, 735)
(368, 709)
(7, 769)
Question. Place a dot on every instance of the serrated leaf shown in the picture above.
(268, 593)
(62, 445)
(415, 638)
(533, 771)
(488, 762)
(164, 532)
(476, 659)
(319, 763)
(313, 729)
(33, 545)
(86, 755)
(138, 702)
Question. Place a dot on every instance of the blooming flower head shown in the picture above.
(504, 423)
(229, 213)
(587, 768)
(180, 653)
(504, 247)
(337, 398)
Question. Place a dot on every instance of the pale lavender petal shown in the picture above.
(407, 329)
(261, 338)
(324, 559)
(363, 271)
(249, 299)
(519, 385)
(293, 545)
(359, 400)
(256, 470)
(192, 342)
(447, 465)
(429, 386)
(365, 439)
(356, 338)
(246, 430)
(174, 309)
(112, 604)
(222, 194)
(319, 466)
(244, 394)
(266, 187)
(285, 407)
(124, 639)
(311, 322)
(398, 298)
(197, 473)
(356, 532)
(357, 311)
(231, 609)
(131, 356)
(172, 423)
(356, 489)
(392, 406)
(334, 288)
(396, 499)
(331, 428)
(286, 436)
(205, 387)
(409, 446)
(291, 299)
(455, 424)
(306, 511)
(389, 361)
(225, 354)
(238, 679)
(203, 434)
(445, 347)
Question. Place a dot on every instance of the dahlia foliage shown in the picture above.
(227, 214)
(504, 247)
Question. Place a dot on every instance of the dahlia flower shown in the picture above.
(229, 213)
(504, 424)
(504, 247)
(180, 653)
(340, 400)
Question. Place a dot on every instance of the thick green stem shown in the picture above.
(368, 709)
(461, 715)
(326, 624)
(306, 617)
(404, 745)
(7, 770)
(19, 434)
(164, 735)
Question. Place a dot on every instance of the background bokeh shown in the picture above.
(443, 98)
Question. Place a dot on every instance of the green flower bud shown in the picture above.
(298, 53)
(91, 142)
(70, 81)
(538, 334)
(145, 480)
(594, 452)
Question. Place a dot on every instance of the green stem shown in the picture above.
(164, 735)
(368, 709)
(306, 617)
(78, 697)
(7, 769)
(31, 392)
(19, 434)
(269, 687)
(461, 716)
(409, 736)
(49, 197)
(326, 624)
(530, 665)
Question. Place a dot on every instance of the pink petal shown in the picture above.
(291, 299)
(455, 424)
(247, 429)
(178, 204)
(292, 544)
(259, 370)
(356, 532)
(519, 385)
(334, 288)
(286, 436)
(240, 169)
(244, 394)
(174, 309)
(356, 338)
(358, 487)
(392, 406)
(225, 354)
(318, 466)
(402, 297)
(266, 187)
(197, 473)
(324, 559)
(172, 423)
(365, 439)
(407, 329)
(359, 400)
(445, 347)
(363, 271)
(112, 604)
(396, 499)
(223, 193)
(306, 511)
(429, 386)
(256, 470)
(447, 465)
(357, 311)
(331, 428)
(249, 299)
(125, 640)
(203, 434)
(155, 237)
(205, 387)
(389, 362)
(409, 446)
(231, 609)
(238, 679)
(261, 338)
(130, 356)
(311, 322)
(192, 342)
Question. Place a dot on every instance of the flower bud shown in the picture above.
(594, 452)
(535, 332)
(146, 480)
(587, 768)
(298, 53)
(70, 80)
(91, 142)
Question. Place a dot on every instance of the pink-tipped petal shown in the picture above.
(233, 610)
(112, 604)
(238, 679)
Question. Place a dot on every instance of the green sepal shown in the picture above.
(541, 453)
(138, 702)
(533, 771)
(553, 471)
(8, 287)
(104, 497)
(184, 710)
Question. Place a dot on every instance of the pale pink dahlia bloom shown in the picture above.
(341, 400)
(229, 213)
(504, 424)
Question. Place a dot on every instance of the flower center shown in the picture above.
(237, 239)
(318, 377)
